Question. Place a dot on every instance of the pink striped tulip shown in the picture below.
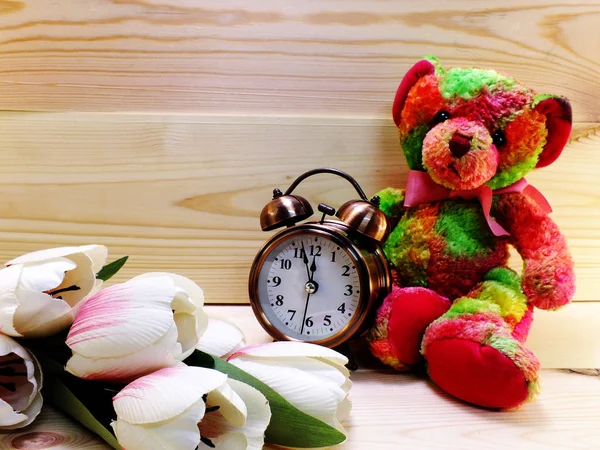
(40, 292)
(20, 384)
(134, 328)
(184, 408)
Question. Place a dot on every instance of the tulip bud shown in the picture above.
(134, 328)
(312, 378)
(40, 292)
(183, 408)
(20, 385)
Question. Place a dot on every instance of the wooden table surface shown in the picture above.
(402, 411)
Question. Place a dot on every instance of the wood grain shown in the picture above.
(303, 58)
(568, 338)
(183, 193)
(393, 410)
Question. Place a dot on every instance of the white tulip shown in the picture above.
(40, 292)
(221, 337)
(134, 328)
(312, 378)
(20, 384)
(184, 408)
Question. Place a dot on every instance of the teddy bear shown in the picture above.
(469, 137)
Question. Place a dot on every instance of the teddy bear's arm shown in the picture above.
(548, 275)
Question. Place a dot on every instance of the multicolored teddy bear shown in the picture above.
(470, 136)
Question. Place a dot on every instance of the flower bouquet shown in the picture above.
(142, 365)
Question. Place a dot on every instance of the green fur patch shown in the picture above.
(504, 344)
(468, 83)
(391, 201)
(412, 145)
(505, 276)
(467, 306)
(406, 249)
(515, 173)
(464, 229)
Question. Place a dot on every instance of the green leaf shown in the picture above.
(57, 393)
(109, 270)
(289, 427)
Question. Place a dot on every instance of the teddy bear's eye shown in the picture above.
(499, 138)
(441, 116)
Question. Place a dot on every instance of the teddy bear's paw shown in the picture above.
(401, 322)
(475, 358)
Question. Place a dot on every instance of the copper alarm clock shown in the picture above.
(321, 281)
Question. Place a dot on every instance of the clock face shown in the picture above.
(309, 286)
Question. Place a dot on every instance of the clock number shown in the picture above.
(346, 272)
(279, 301)
(327, 320)
(293, 312)
(333, 256)
(309, 322)
(299, 253)
(315, 250)
(286, 264)
(342, 308)
(276, 281)
(349, 290)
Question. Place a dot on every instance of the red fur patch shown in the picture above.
(524, 137)
(424, 101)
(488, 108)
(549, 278)
(453, 276)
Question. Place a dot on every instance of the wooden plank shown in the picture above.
(183, 193)
(310, 57)
(392, 411)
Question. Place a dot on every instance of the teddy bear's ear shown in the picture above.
(558, 122)
(417, 71)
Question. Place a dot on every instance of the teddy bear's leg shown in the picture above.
(401, 322)
(473, 351)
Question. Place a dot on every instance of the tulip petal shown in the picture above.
(83, 277)
(8, 417)
(39, 314)
(97, 253)
(186, 330)
(165, 393)
(125, 368)
(311, 394)
(178, 433)
(25, 376)
(45, 275)
(231, 406)
(123, 318)
(188, 294)
(259, 413)
(292, 349)
(221, 338)
(250, 436)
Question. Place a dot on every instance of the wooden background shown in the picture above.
(160, 127)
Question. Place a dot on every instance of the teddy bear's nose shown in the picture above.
(459, 145)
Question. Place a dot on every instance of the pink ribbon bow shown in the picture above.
(420, 188)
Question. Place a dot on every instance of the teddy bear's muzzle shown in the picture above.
(460, 154)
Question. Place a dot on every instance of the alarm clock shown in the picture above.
(320, 281)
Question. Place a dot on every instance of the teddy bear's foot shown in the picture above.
(401, 322)
(475, 358)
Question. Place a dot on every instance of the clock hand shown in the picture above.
(313, 269)
(304, 316)
(305, 259)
